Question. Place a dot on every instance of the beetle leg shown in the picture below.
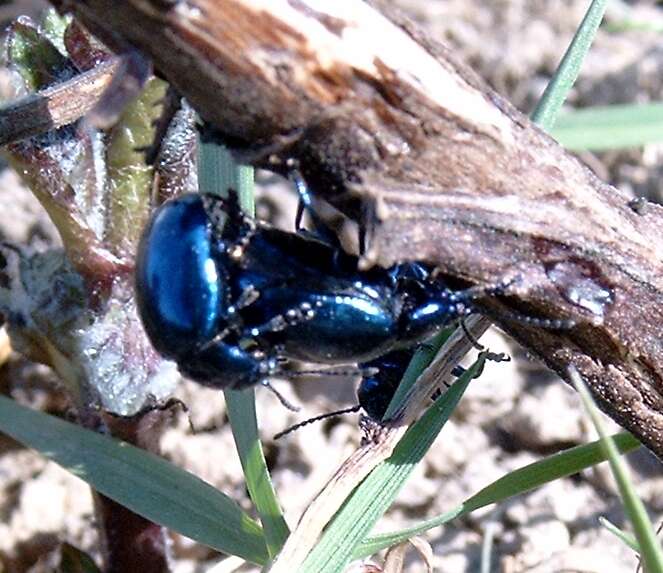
(247, 297)
(227, 218)
(293, 316)
(469, 336)
(322, 230)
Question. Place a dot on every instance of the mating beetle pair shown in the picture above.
(230, 299)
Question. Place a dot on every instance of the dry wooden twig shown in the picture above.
(390, 128)
(55, 106)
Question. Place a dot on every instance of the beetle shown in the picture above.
(230, 298)
(184, 300)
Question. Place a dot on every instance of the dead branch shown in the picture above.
(55, 106)
(389, 127)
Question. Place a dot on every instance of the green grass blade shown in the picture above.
(420, 361)
(242, 415)
(625, 537)
(629, 25)
(139, 480)
(650, 548)
(565, 76)
(217, 172)
(376, 493)
(610, 127)
(487, 547)
(522, 480)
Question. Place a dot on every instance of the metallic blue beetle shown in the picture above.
(229, 298)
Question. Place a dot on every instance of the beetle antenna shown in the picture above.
(281, 398)
(343, 372)
(474, 293)
(291, 429)
(551, 323)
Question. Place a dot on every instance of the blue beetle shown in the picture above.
(309, 299)
(183, 297)
(229, 298)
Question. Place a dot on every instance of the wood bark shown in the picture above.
(389, 127)
(55, 106)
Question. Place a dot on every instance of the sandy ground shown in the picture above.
(516, 413)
